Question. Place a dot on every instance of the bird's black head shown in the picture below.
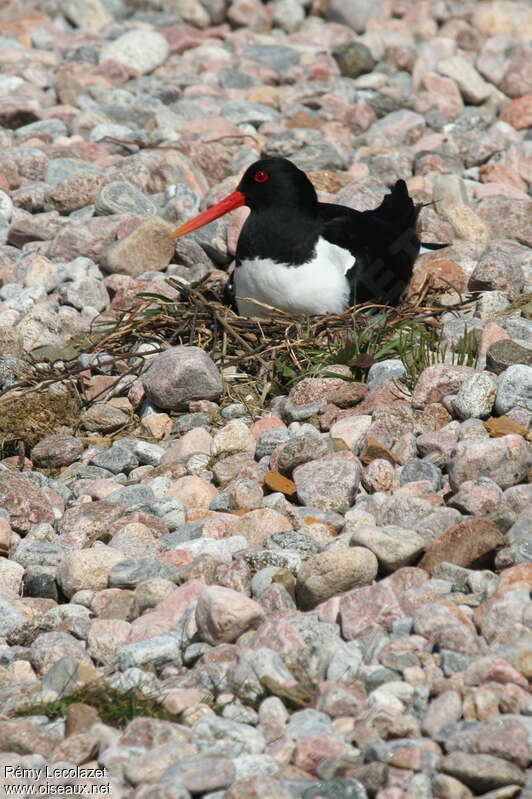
(271, 183)
(277, 182)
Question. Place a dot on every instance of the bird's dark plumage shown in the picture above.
(304, 256)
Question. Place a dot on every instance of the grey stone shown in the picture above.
(394, 547)
(133, 497)
(458, 576)
(295, 541)
(171, 510)
(10, 619)
(237, 738)
(518, 327)
(505, 353)
(304, 723)
(482, 772)
(355, 14)
(345, 662)
(514, 389)
(345, 788)
(261, 558)
(116, 459)
(354, 58)
(179, 375)
(453, 662)
(129, 573)
(32, 552)
(475, 397)
(385, 370)
(301, 449)
(270, 440)
(417, 469)
(60, 169)
(185, 532)
(288, 15)
(187, 421)
(520, 538)
(120, 197)
(62, 676)
(53, 127)
(157, 651)
(222, 550)
(39, 582)
(140, 51)
(262, 580)
(275, 56)
(200, 773)
(244, 112)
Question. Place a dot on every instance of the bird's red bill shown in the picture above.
(233, 200)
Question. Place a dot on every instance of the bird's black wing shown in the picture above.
(229, 294)
(383, 242)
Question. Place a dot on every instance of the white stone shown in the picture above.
(140, 51)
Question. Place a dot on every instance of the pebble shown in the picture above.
(504, 460)
(475, 397)
(329, 573)
(179, 375)
(139, 51)
(148, 246)
(514, 389)
(329, 483)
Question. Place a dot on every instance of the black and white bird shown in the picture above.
(306, 257)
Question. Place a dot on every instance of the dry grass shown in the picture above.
(258, 357)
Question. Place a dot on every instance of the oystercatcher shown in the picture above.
(306, 257)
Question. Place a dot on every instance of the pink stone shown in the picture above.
(435, 382)
(175, 700)
(339, 699)
(329, 483)
(477, 498)
(267, 423)
(360, 116)
(280, 635)
(196, 440)
(181, 38)
(259, 524)
(384, 395)
(329, 610)
(379, 475)
(101, 599)
(5, 536)
(177, 557)
(311, 750)
(504, 460)
(491, 333)
(167, 613)
(332, 389)
(196, 494)
(222, 614)
(24, 501)
(221, 525)
(104, 638)
(493, 668)
(369, 609)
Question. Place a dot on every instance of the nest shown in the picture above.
(263, 356)
(257, 357)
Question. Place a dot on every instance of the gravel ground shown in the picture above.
(331, 598)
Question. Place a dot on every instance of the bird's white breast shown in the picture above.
(317, 286)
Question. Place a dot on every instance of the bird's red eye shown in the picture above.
(260, 176)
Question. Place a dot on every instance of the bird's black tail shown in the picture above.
(392, 246)
(398, 209)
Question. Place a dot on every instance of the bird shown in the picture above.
(302, 256)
